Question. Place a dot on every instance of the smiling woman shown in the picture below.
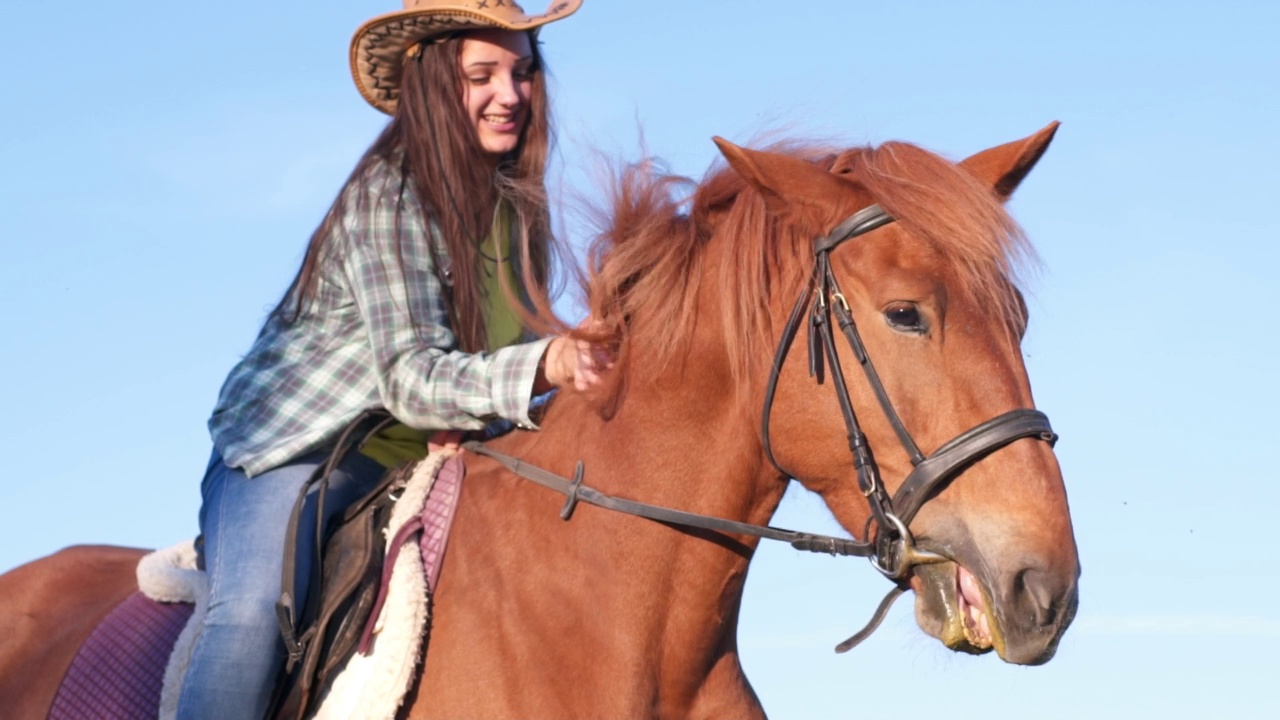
(384, 316)
(414, 299)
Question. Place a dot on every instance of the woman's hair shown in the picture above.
(435, 144)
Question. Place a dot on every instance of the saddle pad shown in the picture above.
(119, 670)
(437, 518)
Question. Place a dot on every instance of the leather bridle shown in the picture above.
(891, 549)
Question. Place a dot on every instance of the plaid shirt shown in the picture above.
(357, 348)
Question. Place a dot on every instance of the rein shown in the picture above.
(575, 492)
(892, 549)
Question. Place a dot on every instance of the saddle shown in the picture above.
(350, 576)
(329, 629)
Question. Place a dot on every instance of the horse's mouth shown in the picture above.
(975, 621)
(953, 606)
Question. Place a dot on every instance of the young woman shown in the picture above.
(407, 300)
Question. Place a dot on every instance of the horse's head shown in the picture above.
(933, 299)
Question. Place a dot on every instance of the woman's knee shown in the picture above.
(249, 615)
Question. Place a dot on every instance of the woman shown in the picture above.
(408, 299)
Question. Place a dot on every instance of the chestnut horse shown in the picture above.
(611, 615)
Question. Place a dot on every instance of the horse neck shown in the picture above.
(685, 434)
(681, 439)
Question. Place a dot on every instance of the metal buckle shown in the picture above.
(839, 296)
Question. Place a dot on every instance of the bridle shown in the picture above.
(891, 549)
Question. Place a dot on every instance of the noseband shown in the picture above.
(892, 550)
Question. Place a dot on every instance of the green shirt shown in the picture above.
(498, 267)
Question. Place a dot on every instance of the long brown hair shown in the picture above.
(432, 141)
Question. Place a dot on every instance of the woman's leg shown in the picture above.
(244, 520)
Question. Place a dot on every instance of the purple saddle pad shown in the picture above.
(119, 670)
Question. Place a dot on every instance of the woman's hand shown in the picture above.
(580, 363)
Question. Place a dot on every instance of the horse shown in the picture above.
(712, 412)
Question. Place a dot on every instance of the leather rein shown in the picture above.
(892, 549)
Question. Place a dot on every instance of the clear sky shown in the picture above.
(163, 164)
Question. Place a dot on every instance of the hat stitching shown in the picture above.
(384, 60)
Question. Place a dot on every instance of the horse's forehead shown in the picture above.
(892, 249)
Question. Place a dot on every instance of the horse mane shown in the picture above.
(646, 262)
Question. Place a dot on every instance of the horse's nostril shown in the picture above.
(1036, 592)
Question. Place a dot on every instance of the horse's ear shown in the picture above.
(783, 180)
(1004, 167)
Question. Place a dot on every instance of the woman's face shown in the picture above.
(497, 77)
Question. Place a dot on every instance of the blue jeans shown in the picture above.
(244, 520)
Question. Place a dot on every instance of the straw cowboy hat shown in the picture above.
(379, 46)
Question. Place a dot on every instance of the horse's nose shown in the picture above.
(1038, 604)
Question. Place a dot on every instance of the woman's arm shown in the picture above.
(423, 380)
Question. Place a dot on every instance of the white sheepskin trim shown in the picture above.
(170, 575)
(373, 687)
(180, 658)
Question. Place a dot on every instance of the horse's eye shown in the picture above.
(904, 317)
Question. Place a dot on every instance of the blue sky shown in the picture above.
(165, 162)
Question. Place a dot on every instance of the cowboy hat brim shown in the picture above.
(379, 45)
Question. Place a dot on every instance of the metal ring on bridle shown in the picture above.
(906, 553)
